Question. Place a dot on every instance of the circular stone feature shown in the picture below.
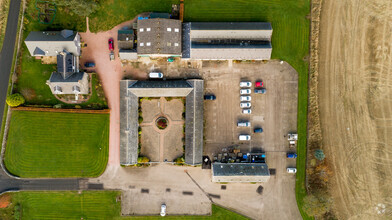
(161, 123)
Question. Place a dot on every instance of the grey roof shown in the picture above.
(238, 45)
(161, 84)
(186, 40)
(57, 77)
(240, 169)
(131, 90)
(223, 52)
(125, 39)
(240, 172)
(158, 40)
(65, 64)
(50, 43)
(159, 15)
(231, 26)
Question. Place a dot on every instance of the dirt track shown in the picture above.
(355, 96)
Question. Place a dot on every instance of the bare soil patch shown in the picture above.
(5, 200)
(356, 105)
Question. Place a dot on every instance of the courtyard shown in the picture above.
(162, 144)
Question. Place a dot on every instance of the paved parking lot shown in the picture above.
(275, 111)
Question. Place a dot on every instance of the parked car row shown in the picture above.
(245, 105)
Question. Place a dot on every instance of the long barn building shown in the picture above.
(227, 40)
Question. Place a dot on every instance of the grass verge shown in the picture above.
(85, 205)
(4, 8)
(47, 144)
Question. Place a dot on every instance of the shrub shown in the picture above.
(15, 100)
(316, 205)
(319, 154)
(180, 160)
(140, 119)
(143, 160)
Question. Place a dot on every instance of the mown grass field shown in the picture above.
(47, 144)
(86, 205)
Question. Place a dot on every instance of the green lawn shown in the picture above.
(46, 144)
(68, 204)
(87, 205)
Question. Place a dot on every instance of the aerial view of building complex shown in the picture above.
(191, 109)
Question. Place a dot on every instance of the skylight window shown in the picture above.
(169, 29)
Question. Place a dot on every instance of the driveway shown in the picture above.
(110, 74)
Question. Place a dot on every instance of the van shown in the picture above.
(244, 137)
(243, 124)
(155, 75)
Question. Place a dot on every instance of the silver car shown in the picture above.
(245, 98)
(245, 105)
(245, 91)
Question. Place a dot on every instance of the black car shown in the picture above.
(209, 97)
(89, 64)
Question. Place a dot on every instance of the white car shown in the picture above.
(245, 98)
(291, 170)
(243, 124)
(163, 210)
(244, 137)
(245, 91)
(245, 105)
(246, 111)
(155, 75)
(245, 84)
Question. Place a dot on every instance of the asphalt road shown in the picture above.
(7, 52)
(6, 58)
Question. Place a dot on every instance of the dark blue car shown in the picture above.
(89, 64)
(209, 97)
(258, 130)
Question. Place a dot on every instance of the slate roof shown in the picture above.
(159, 36)
(65, 64)
(131, 90)
(50, 43)
(240, 169)
(125, 39)
(57, 77)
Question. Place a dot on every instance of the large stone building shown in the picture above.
(132, 90)
(159, 37)
(67, 79)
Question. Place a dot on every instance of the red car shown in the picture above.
(259, 84)
(111, 45)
